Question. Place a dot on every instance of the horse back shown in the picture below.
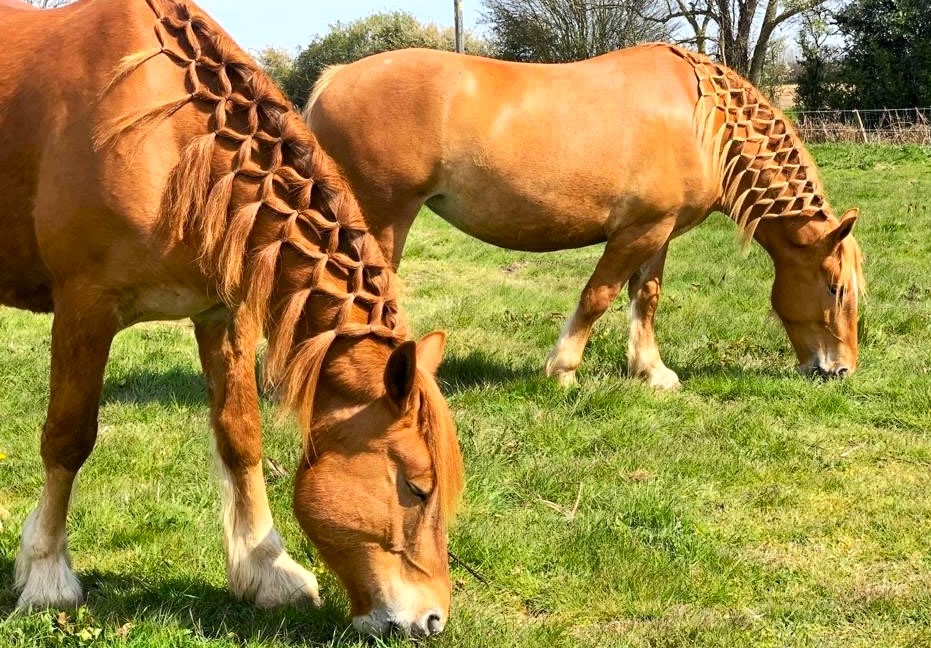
(552, 152)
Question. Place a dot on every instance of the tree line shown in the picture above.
(850, 53)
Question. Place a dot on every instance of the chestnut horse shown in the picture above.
(633, 148)
(149, 170)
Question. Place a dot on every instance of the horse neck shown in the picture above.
(758, 160)
(276, 226)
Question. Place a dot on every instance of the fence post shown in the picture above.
(862, 129)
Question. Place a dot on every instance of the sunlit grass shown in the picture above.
(751, 508)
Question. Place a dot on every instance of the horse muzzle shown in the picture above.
(381, 622)
(818, 372)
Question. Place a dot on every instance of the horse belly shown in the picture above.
(517, 230)
(521, 215)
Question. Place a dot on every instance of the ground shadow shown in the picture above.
(180, 385)
(478, 368)
(734, 371)
(193, 604)
(175, 385)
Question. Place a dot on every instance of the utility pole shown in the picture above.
(457, 7)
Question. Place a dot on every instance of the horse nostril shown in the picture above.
(435, 623)
(842, 372)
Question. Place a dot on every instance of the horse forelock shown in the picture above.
(252, 184)
(434, 420)
(850, 258)
(437, 424)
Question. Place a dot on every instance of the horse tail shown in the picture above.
(326, 77)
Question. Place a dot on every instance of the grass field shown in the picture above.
(753, 508)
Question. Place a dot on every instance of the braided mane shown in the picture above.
(758, 160)
(275, 224)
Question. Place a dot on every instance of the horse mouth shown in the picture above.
(818, 373)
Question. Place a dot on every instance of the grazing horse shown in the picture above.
(149, 170)
(633, 148)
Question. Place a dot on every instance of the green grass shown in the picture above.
(752, 508)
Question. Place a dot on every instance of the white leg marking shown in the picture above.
(566, 356)
(43, 570)
(643, 359)
(257, 565)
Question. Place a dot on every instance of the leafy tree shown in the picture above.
(818, 76)
(776, 72)
(277, 62)
(552, 31)
(887, 54)
(347, 42)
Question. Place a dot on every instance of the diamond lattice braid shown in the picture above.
(275, 223)
(763, 168)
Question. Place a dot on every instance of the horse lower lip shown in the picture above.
(815, 373)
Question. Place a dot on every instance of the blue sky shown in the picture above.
(292, 23)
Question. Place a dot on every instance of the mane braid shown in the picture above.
(254, 191)
(758, 159)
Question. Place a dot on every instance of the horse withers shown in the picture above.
(149, 170)
(634, 148)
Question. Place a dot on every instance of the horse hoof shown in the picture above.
(663, 379)
(287, 583)
(50, 584)
(565, 378)
(552, 368)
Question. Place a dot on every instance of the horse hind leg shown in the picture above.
(627, 249)
(258, 567)
(643, 359)
(81, 340)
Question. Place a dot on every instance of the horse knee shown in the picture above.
(67, 446)
(596, 301)
(238, 439)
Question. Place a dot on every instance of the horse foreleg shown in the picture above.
(643, 359)
(627, 249)
(258, 567)
(81, 337)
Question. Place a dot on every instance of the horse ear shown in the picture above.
(400, 372)
(847, 221)
(430, 351)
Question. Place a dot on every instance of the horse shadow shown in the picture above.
(114, 600)
(460, 373)
(733, 371)
(177, 385)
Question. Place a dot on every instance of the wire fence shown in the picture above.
(883, 125)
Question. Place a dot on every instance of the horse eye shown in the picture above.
(418, 492)
(836, 289)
